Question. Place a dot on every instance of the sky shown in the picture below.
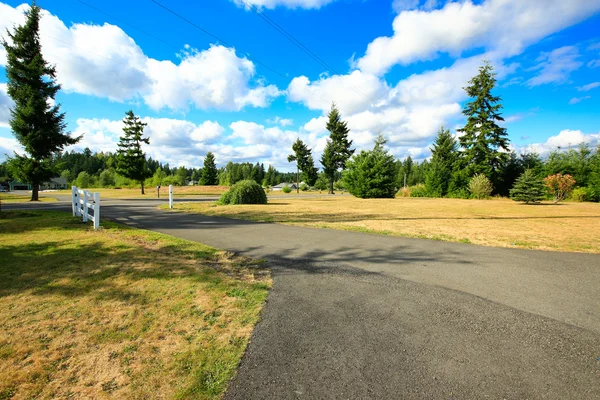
(245, 78)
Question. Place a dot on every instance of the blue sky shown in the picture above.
(396, 67)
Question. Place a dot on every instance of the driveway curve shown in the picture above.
(356, 316)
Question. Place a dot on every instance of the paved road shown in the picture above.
(359, 316)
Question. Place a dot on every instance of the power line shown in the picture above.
(296, 42)
(230, 45)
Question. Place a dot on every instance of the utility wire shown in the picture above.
(230, 45)
(296, 42)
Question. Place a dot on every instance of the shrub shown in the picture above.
(580, 194)
(403, 192)
(304, 187)
(286, 189)
(528, 188)
(244, 192)
(418, 191)
(461, 193)
(480, 186)
(559, 186)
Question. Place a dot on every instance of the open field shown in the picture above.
(178, 191)
(498, 222)
(21, 198)
(119, 312)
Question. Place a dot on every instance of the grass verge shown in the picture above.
(119, 312)
(496, 222)
(21, 198)
(178, 191)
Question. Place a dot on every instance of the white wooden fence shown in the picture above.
(83, 201)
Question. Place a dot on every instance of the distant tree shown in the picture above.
(181, 176)
(594, 180)
(528, 188)
(209, 172)
(443, 159)
(83, 180)
(480, 186)
(372, 174)
(131, 160)
(310, 172)
(484, 141)
(158, 177)
(337, 150)
(36, 120)
(300, 153)
(559, 186)
(322, 182)
(107, 178)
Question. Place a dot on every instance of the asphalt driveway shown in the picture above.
(357, 316)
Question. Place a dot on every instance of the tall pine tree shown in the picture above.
(304, 162)
(131, 160)
(36, 120)
(337, 151)
(209, 172)
(483, 138)
(443, 159)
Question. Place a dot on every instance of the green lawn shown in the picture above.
(119, 312)
(20, 198)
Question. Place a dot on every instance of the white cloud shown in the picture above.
(8, 146)
(5, 105)
(307, 4)
(588, 87)
(576, 100)
(565, 139)
(280, 121)
(503, 27)
(555, 66)
(102, 60)
(594, 63)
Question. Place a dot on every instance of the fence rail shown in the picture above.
(82, 202)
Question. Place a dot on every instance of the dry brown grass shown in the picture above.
(498, 222)
(178, 191)
(119, 313)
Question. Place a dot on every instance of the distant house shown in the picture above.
(16, 185)
(54, 184)
(284, 184)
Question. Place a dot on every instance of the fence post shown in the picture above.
(85, 206)
(96, 210)
(171, 196)
(74, 199)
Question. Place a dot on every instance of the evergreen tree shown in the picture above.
(37, 125)
(443, 159)
(310, 172)
(337, 151)
(131, 160)
(304, 162)
(483, 139)
(528, 188)
(372, 174)
(209, 172)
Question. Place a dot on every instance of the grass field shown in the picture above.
(20, 198)
(498, 222)
(119, 312)
(178, 191)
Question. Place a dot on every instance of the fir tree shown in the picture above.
(300, 155)
(528, 188)
(443, 159)
(310, 172)
(209, 172)
(337, 151)
(131, 160)
(36, 122)
(483, 138)
(372, 174)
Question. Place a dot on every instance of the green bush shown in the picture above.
(304, 187)
(480, 186)
(418, 191)
(286, 189)
(244, 192)
(528, 188)
(460, 193)
(581, 194)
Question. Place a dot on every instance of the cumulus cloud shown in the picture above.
(103, 61)
(5, 105)
(555, 66)
(307, 4)
(565, 139)
(8, 146)
(280, 121)
(503, 27)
